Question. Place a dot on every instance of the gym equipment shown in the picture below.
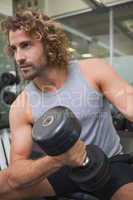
(129, 126)
(9, 97)
(95, 173)
(127, 158)
(119, 121)
(4, 120)
(56, 132)
(8, 79)
(78, 196)
(4, 148)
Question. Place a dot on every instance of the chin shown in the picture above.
(28, 77)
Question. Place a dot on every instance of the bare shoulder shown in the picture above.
(20, 110)
(96, 71)
(93, 66)
(91, 70)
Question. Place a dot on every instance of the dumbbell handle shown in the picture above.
(86, 161)
(94, 172)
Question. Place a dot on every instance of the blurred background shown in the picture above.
(95, 28)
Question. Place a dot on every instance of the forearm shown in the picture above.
(125, 102)
(130, 118)
(129, 105)
(24, 173)
(38, 190)
(4, 187)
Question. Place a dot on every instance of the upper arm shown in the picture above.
(21, 128)
(116, 89)
(105, 79)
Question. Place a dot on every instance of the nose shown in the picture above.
(20, 57)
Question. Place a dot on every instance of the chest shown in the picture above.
(79, 98)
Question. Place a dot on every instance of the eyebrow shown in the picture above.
(12, 46)
(21, 43)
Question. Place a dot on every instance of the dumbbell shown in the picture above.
(56, 131)
(7, 78)
(8, 97)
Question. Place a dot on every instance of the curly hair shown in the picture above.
(39, 25)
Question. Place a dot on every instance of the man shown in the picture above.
(39, 47)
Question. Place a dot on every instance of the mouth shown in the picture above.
(25, 67)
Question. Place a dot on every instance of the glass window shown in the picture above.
(88, 33)
(123, 41)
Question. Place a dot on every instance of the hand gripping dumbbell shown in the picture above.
(56, 132)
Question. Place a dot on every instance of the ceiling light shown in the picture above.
(128, 24)
(86, 55)
(71, 50)
(99, 1)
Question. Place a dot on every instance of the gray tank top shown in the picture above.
(90, 106)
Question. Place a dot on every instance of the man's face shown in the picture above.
(28, 53)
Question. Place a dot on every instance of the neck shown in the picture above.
(52, 80)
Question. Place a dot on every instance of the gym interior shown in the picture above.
(95, 28)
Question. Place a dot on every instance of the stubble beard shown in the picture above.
(34, 72)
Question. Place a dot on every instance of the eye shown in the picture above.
(26, 44)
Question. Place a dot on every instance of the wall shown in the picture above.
(124, 67)
(58, 7)
(6, 7)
